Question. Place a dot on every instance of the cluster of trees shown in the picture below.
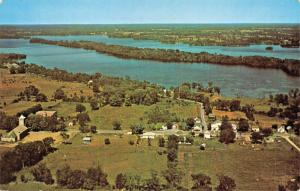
(11, 56)
(291, 185)
(228, 105)
(23, 155)
(42, 174)
(18, 70)
(258, 137)
(30, 110)
(7, 122)
(76, 179)
(172, 175)
(32, 91)
(137, 129)
(194, 91)
(290, 66)
(249, 111)
(40, 123)
(136, 182)
(227, 134)
(161, 115)
(290, 100)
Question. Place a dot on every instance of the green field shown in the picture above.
(104, 117)
(251, 169)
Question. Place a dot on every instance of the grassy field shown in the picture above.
(252, 170)
(104, 117)
(261, 169)
(115, 158)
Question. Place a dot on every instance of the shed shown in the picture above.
(87, 139)
(148, 135)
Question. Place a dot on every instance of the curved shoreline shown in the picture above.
(289, 66)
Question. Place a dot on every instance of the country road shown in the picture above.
(287, 138)
(202, 112)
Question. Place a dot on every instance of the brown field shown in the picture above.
(11, 85)
(231, 114)
(38, 136)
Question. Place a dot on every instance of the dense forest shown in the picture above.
(291, 67)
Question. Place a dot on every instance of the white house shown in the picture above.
(216, 126)
(148, 135)
(207, 135)
(255, 129)
(197, 128)
(281, 129)
(164, 127)
(87, 139)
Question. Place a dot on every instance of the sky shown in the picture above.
(148, 11)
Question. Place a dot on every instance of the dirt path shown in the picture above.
(287, 138)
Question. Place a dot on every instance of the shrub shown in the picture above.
(137, 129)
(93, 129)
(80, 108)
(107, 141)
(131, 142)
(116, 125)
(42, 174)
(161, 142)
(227, 136)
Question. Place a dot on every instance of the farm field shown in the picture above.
(267, 166)
(251, 169)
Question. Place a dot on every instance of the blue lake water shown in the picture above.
(259, 50)
(233, 80)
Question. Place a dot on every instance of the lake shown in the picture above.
(233, 80)
(259, 50)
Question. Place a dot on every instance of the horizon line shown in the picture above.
(163, 23)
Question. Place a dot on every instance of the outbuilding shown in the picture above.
(148, 135)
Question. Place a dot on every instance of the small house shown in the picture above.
(197, 128)
(175, 126)
(281, 129)
(216, 126)
(255, 129)
(148, 135)
(197, 120)
(17, 133)
(164, 127)
(207, 135)
(87, 139)
(212, 117)
(47, 113)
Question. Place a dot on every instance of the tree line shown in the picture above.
(23, 155)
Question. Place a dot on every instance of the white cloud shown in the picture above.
(1, 1)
